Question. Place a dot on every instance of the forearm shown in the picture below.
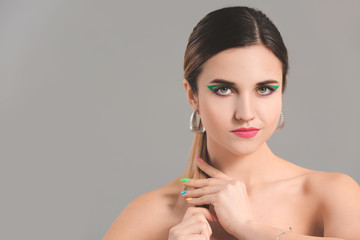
(265, 232)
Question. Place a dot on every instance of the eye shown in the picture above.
(266, 90)
(223, 91)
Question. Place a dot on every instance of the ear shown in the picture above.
(192, 99)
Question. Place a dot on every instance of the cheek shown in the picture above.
(270, 111)
(214, 113)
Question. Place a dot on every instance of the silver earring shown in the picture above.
(282, 121)
(196, 126)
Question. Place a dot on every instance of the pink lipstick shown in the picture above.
(245, 132)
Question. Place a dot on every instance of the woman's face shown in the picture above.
(236, 89)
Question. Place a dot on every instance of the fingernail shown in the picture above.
(188, 199)
(183, 192)
(199, 159)
(184, 179)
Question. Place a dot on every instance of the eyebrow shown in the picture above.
(233, 84)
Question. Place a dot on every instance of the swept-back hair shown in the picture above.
(225, 28)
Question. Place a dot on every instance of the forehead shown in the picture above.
(250, 64)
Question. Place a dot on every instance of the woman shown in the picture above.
(235, 188)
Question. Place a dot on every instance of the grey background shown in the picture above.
(93, 112)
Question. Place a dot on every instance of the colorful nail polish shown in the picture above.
(183, 192)
(184, 179)
(188, 199)
(199, 159)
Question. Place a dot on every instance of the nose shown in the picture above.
(244, 110)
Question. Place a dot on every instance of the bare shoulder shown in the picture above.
(148, 216)
(328, 184)
(339, 195)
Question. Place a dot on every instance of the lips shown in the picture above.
(246, 132)
(245, 129)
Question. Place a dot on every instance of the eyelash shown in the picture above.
(272, 89)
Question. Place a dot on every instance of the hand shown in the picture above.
(228, 197)
(194, 226)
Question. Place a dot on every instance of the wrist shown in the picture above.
(245, 231)
(256, 230)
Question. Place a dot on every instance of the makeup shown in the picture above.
(274, 87)
(271, 88)
(184, 179)
(246, 132)
(215, 88)
(199, 159)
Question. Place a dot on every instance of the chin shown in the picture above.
(241, 148)
(236, 145)
(244, 150)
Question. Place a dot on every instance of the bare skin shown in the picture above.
(298, 201)
(252, 193)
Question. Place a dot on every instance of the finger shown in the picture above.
(198, 192)
(207, 199)
(199, 183)
(198, 227)
(197, 237)
(193, 232)
(210, 170)
(191, 211)
(189, 221)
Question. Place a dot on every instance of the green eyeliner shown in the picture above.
(275, 87)
(212, 88)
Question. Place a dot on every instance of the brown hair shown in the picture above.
(219, 30)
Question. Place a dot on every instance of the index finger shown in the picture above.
(210, 170)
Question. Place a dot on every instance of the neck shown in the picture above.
(251, 168)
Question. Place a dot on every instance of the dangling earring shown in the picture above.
(196, 126)
(282, 121)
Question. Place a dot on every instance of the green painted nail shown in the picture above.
(184, 179)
